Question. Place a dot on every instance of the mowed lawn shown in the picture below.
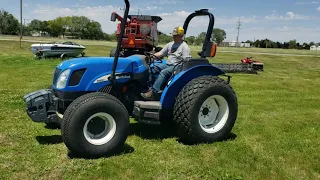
(276, 135)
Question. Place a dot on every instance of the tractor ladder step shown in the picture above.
(147, 112)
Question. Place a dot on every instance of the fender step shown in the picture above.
(147, 112)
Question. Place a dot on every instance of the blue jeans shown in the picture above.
(165, 71)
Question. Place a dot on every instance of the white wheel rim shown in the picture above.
(213, 114)
(98, 133)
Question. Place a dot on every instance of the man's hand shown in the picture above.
(158, 54)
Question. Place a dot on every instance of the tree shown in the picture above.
(257, 43)
(218, 35)
(250, 42)
(279, 45)
(306, 46)
(8, 23)
(94, 31)
(201, 37)
(163, 38)
(35, 25)
(191, 40)
(293, 44)
(55, 28)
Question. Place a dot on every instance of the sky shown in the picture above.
(278, 20)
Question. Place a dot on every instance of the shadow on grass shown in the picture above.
(47, 140)
(52, 126)
(230, 137)
(146, 131)
(165, 131)
(126, 149)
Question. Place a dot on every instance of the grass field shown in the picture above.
(198, 48)
(276, 135)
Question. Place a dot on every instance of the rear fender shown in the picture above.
(176, 84)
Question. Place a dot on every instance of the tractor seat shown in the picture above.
(191, 63)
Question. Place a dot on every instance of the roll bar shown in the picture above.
(207, 42)
(116, 58)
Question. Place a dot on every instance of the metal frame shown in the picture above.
(207, 41)
(116, 58)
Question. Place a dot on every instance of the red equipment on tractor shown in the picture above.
(140, 34)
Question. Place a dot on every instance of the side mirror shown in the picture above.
(211, 50)
(113, 17)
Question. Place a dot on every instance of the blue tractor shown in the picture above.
(92, 98)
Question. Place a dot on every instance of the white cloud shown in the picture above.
(318, 9)
(286, 33)
(224, 20)
(100, 14)
(312, 2)
(165, 2)
(197, 25)
(288, 16)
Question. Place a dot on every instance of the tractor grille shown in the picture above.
(106, 89)
(55, 75)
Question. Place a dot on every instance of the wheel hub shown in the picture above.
(213, 113)
(99, 128)
(96, 126)
(205, 111)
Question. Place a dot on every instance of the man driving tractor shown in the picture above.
(177, 51)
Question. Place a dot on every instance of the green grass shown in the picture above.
(276, 135)
(197, 48)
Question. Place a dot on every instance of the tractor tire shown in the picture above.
(95, 125)
(205, 110)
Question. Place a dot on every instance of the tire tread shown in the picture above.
(186, 101)
(76, 104)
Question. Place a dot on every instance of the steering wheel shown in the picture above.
(152, 56)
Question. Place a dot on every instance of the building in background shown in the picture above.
(315, 48)
(234, 44)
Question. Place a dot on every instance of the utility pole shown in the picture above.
(20, 23)
(239, 26)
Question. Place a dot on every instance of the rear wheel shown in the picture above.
(95, 125)
(205, 110)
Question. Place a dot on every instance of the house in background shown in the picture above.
(315, 48)
(234, 44)
(40, 34)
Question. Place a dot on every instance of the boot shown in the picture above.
(148, 95)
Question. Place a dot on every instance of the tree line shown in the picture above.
(80, 27)
(218, 35)
(292, 44)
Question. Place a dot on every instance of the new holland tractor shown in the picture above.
(94, 97)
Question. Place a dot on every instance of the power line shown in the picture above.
(239, 27)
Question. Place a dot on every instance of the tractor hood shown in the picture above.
(89, 73)
(90, 62)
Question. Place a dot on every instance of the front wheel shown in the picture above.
(95, 125)
(205, 110)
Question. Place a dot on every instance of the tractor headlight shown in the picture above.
(62, 80)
